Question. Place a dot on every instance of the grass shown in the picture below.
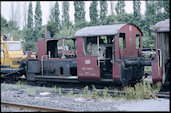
(59, 90)
(31, 91)
(20, 85)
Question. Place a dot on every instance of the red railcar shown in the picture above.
(161, 65)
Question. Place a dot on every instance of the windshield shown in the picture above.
(14, 46)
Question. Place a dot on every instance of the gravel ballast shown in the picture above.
(46, 97)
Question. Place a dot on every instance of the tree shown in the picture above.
(30, 16)
(120, 7)
(54, 24)
(166, 6)
(136, 8)
(29, 38)
(93, 12)
(150, 20)
(79, 14)
(38, 20)
(4, 23)
(137, 12)
(65, 13)
(103, 11)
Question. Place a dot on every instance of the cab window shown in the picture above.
(137, 41)
(14, 46)
(122, 41)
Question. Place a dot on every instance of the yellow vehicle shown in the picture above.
(11, 52)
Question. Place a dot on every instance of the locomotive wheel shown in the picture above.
(131, 74)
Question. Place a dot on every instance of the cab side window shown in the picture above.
(137, 41)
(122, 41)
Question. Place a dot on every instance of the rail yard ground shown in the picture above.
(54, 98)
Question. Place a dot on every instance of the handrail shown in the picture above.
(42, 62)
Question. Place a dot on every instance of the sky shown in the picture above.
(46, 5)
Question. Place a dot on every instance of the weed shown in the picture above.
(130, 94)
(70, 93)
(59, 91)
(54, 89)
(31, 92)
(44, 88)
(142, 90)
(20, 85)
(6, 88)
(105, 93)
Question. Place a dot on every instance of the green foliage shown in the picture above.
(142, 90)
(65, 14)
(29, 40)
(54, 89)
(38, 20)
(148, 41)
(120, 7)
(59, 91)
(103, 11)
(51, 27)
(137, 13)
(93, 12)
(137, 9)
(12, 25)
(4, 23)
(38, 16)
(79, 14)
(30, 16)
(31, 91)
(54, 24)
(67, 32)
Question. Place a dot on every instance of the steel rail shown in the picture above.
(163, 94)
(31, 107)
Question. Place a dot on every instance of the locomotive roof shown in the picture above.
(100, 30)
(162, 26)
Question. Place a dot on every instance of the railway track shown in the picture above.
(31, 107)
(163, 94)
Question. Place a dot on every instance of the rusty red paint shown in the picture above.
(41, 50)
(156, 72)
(130, 51)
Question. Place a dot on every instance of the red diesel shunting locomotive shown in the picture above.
(107, 53)
(116, 53)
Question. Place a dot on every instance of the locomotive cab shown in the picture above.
(56, 61)
(101, 46)
(110, 53)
